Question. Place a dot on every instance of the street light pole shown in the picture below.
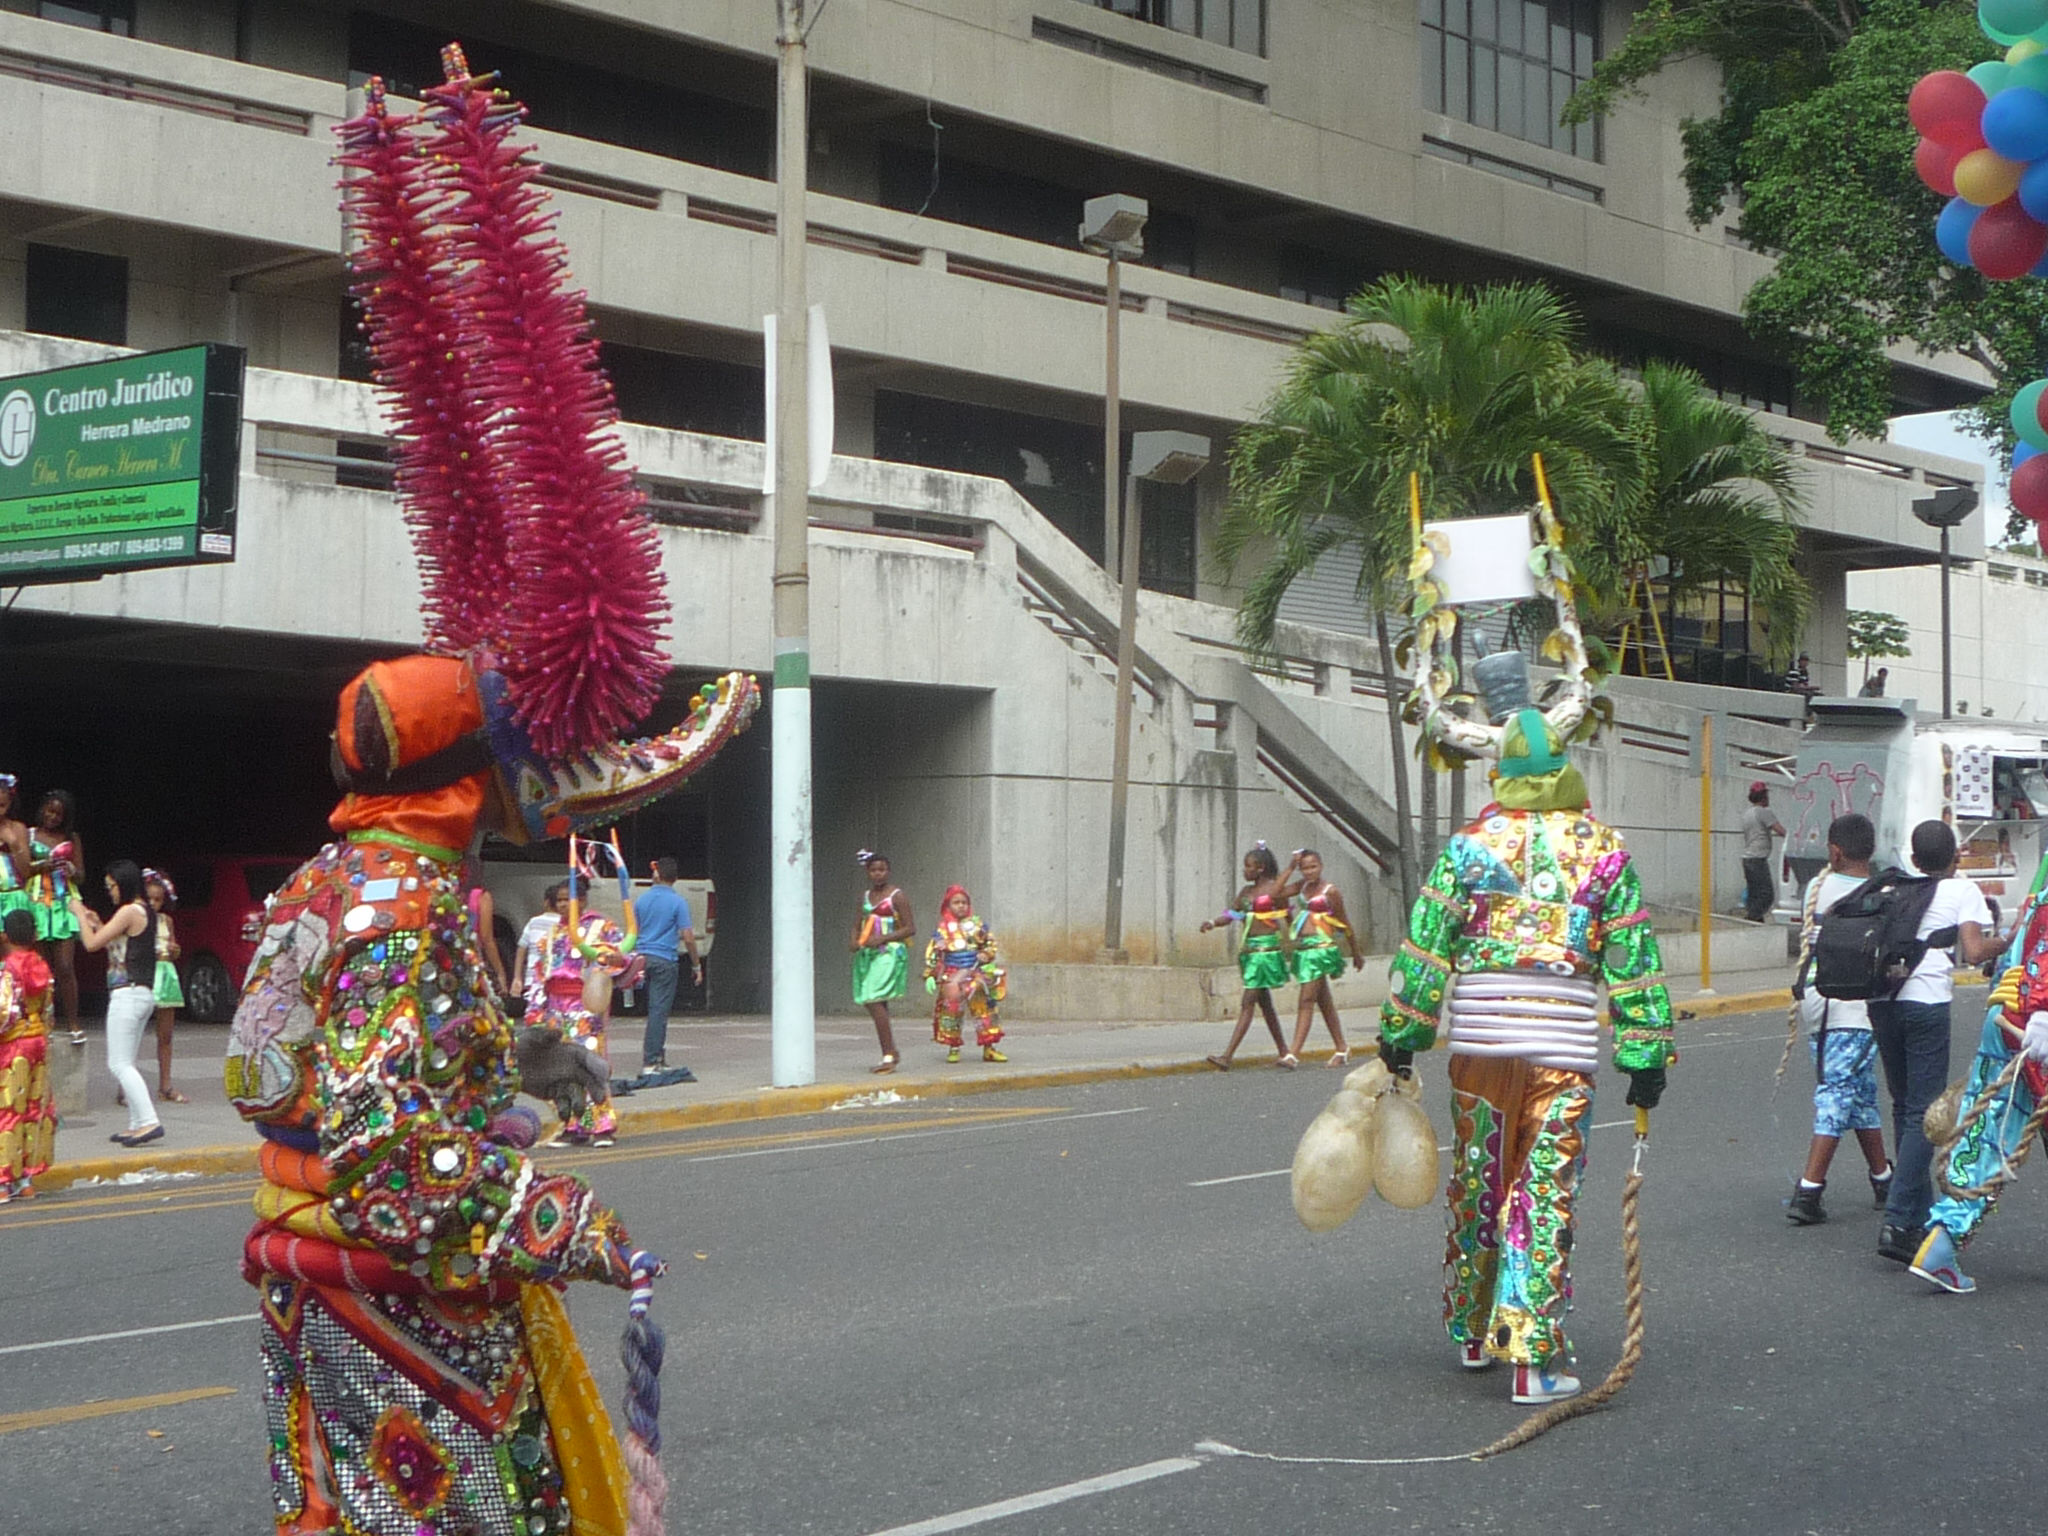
(793, 1025)
(1947, 640)
(1112, 418)
(1172, 458)
(1944, 510)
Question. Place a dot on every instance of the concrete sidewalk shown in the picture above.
(730, 1056)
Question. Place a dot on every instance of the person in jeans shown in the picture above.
(663, 913)
(1844, 1055)
(1759, 826)
(1912, 1032)
(129, 937)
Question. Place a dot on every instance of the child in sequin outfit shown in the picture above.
(961, 972)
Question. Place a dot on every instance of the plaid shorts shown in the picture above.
(1845, 1098)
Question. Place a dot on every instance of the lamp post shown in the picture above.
(1112, 226)
(1945, 509)
(1171, 458)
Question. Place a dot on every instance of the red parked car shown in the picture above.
(218, 921)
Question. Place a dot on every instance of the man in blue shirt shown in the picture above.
(663, 913)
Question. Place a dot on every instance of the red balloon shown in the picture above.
(2028, 488)
(1936, 163)
(1948, 106)
(2005, 242)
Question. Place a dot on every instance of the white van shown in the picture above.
(1986, 778)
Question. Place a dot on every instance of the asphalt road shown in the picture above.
(887, 1320)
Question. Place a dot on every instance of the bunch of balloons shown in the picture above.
(1984, 146)
(2028, 487)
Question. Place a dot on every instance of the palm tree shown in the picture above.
(1720, 501)
(1457, 386)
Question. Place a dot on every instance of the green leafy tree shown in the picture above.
(1719, 501)
(1813, 148)
(1456, 386)
(1876, 636)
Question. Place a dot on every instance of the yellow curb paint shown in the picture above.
(238, 1159)
(1737, 1002)
(43, 1418)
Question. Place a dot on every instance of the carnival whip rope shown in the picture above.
(640, 1351)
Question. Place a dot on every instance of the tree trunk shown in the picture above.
(1457, 816)
(1411, 881)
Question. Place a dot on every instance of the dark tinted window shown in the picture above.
(80, 294)
(264, 878)
(194, 883)
(1511, 65)
(686, 394)
(116, 16)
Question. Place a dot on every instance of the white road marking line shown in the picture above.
(129, 1333)
(1274, 1173)
(982, 1514)
(952, 1130)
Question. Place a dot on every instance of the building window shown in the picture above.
(1239, 24)
(1511, 65)
(116, 16)
(80, 294)
(686, 394)
(1310, 275)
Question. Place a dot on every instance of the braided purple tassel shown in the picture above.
(640, 1351)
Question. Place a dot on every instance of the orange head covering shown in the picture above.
(393, 714)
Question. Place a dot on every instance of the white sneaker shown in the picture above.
(1543, 1384)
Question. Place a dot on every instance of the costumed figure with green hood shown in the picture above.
(1531, 912)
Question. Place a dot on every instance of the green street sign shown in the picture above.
(120, 466)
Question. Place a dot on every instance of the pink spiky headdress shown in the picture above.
(535, 554)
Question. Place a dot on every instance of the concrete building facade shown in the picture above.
(168, 180)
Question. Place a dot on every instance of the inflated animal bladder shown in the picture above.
(1404, 1158)
(1333, 1163)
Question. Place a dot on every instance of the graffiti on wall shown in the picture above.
(1823, 792)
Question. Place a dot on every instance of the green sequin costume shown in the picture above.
(1536, 903)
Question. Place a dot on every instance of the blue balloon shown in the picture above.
(2033, 192)
(2021, 452)
(2040, 268)
(2016, 124)
(1952, 230)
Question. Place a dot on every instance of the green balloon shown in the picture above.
(2029, 74)
(2026, 415)
(1992, 76)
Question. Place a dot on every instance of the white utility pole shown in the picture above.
(794, 1044)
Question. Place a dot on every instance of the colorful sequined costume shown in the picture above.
(564, 968)
(1992, 1139)
(960, 965)
(1529, 910)
(1318, 952)
(421, 1378)
(1261, 962)
(28, 1112)
(881, 973)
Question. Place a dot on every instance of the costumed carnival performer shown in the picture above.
(1321, 925)
(420, 1373)
(881, 951)
(28, 1110)
(1261, 906)
(962, 971)
(2015, 1024)
(1530, 910)
(575, 1003)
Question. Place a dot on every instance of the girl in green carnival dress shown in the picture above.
(1261, 959)
(881, 955)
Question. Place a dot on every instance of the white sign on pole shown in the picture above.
(818, 379)
(1489, 559)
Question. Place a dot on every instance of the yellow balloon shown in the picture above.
(1985, 177)
(2021, 51)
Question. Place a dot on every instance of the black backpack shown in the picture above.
(1868, 943)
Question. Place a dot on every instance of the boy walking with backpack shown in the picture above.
(1844, 1054)
(1911, 1024)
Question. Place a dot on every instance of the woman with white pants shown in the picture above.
(129, 937)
